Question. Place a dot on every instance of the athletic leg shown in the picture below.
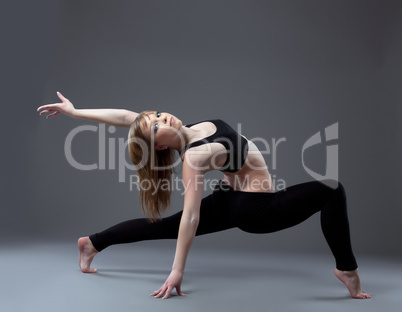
(297, 203)
(213, 218)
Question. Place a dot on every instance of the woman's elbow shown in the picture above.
(195, 220)
(191, 219)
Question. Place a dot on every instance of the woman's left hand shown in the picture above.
(173, 281)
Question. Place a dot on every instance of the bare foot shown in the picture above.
(87, 254)
(352, 281)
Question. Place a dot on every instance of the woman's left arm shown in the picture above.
(193, 181)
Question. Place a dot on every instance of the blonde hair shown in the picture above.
(152, 166)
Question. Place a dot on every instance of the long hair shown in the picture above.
(154, 169)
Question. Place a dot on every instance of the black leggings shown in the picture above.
(252, 212)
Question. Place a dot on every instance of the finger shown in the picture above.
(61, 96)
(156, 292)
(53, 114)
(48, 106)
(168, 291)
(160, 294)
(163, 290)
(50, 110)
(179, 292)
(40, 107)
(44, 111)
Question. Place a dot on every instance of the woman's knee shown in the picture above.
(335, 187)
(339, 190)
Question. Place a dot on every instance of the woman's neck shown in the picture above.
(184, 136)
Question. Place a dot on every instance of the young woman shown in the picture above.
(243, 198)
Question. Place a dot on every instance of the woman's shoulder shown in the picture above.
(214, 121)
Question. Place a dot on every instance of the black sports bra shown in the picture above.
(235, 144)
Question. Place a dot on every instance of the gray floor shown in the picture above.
(45, 277)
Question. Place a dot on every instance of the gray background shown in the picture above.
(281, 68)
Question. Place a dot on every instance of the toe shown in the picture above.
(362, 295)
(89, 270)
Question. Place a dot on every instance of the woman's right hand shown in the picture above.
(65, 107)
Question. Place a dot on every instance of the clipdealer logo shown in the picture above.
(330, 178)
(101, 164)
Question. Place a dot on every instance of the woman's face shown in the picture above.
(162, 128)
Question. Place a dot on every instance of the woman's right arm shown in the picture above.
(113, 117)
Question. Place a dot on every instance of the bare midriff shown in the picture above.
(253, 176)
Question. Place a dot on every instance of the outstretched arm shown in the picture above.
(193, 181)
(113, 117)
